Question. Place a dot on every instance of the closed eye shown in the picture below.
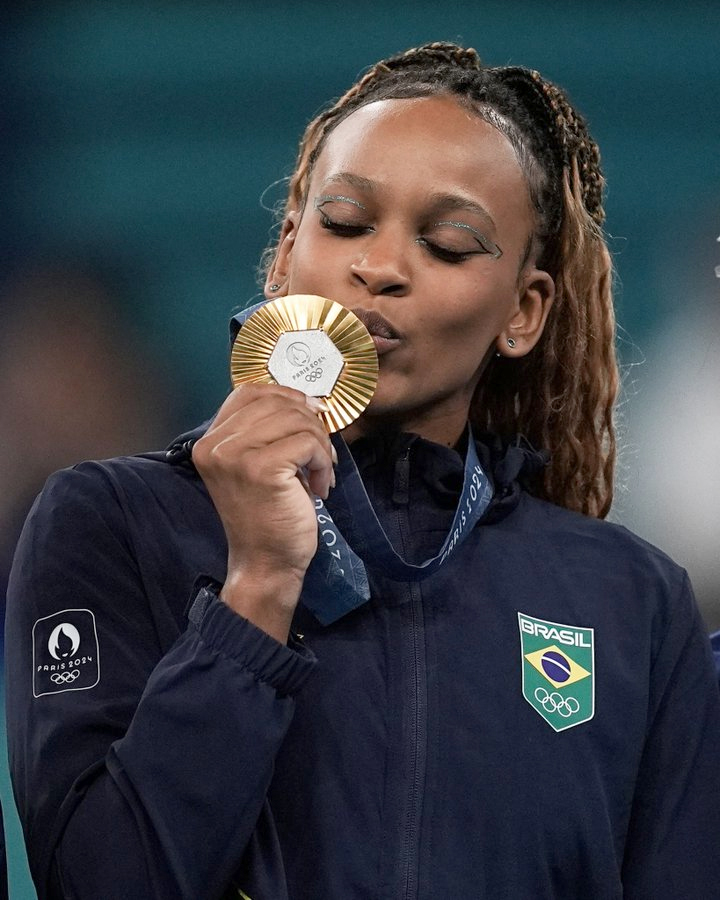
(445, 254)
(342, 229)
(480, 243)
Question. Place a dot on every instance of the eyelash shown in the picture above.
(341, 229)
(443, 254)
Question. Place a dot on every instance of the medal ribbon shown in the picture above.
(336, 581)
(239, 319)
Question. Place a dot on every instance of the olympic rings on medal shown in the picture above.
(65, 677)
(314, 376)
(555, 702)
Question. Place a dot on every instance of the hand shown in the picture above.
(262, 460)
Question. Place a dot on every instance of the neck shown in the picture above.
(446, 430)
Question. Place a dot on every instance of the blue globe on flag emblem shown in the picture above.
(556, 666)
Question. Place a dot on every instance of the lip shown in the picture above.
(384, 335)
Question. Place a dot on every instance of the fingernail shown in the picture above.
(316, 404)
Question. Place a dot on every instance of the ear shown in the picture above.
(524, 328)
(277, 274)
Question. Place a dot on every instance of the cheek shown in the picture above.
(460, 335)
(472, 318)
(454, 345)
(310, 266)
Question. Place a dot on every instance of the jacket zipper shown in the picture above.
(417, 749)
(415, 693)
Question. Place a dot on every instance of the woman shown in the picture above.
(537, 718)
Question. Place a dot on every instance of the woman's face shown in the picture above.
(418, 219)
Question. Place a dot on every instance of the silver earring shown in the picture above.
(275, 287)
(511, 343)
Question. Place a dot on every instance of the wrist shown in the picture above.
(267, 598)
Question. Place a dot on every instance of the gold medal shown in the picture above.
(311, 344)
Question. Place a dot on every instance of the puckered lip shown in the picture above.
(376, 324)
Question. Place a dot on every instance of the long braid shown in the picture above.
(561, 395)
(564, 391)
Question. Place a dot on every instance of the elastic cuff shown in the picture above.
(283, 667)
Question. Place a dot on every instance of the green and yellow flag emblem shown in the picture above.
(558, 671)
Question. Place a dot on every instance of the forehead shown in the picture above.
(431, 143)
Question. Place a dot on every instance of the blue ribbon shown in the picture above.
(336, 581)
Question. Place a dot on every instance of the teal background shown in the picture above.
(141, 140)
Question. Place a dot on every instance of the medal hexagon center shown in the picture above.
(307, 361)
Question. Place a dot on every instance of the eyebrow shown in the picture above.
(349, 178)
(437, 201)
(322, 199)
(459, 202)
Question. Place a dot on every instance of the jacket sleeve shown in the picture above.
(143, 775)
(673, 846)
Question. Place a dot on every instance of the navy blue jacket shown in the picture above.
(162, 746)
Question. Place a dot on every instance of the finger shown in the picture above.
(320, 473)
(264, 420)
(246, 394)
(300, 454)
(262, 425)
(249, 410)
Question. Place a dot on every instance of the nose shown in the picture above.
(382, 267)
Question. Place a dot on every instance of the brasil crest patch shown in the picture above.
(558, 678)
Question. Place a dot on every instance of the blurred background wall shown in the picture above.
(142, 141)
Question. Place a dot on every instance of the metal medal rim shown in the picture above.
(257, 338)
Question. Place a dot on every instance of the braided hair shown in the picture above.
(560, 396)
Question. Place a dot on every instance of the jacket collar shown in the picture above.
(512, 466)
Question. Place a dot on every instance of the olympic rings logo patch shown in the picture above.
(555, 702)
(65, 677)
